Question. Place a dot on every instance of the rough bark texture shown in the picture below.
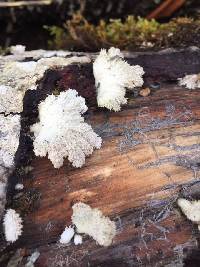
(150, 157)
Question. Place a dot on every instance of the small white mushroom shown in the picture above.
(113, 75)
(78, 240)
(19, 186)
(191, 81)
(94, 223)
(67, 235)
(17, 49)
(62, 132)
(191, 209)
(12, 225)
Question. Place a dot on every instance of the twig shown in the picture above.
(166, 9)
(25, 3)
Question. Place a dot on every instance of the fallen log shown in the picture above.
(150, 156)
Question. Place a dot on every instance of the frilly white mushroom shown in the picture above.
(67, 235)
(62, 132)
(191, 209)
(113, 75)
(94, 223)
(190, 81)
(12, 225)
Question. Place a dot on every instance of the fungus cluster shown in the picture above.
(12, 225)
(91, 222)
(113, 75)
(191, 209)
(68, 234)
(61, 131)
(191, 81)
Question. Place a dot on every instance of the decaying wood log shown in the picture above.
(150, 157)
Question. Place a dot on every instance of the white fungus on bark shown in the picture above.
(191, 209)
(113, 75)
(35, 55)
(67, 235)
(78, 240)
(17, 49)
(19, 187)
(190, 81)
(9, 142)
(61, 131)
(18, 77)
(12, 225)
(93, 223)
(9, 99)
(9, 139)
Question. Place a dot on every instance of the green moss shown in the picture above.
(133, 33)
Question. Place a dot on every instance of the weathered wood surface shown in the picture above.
(150, 156)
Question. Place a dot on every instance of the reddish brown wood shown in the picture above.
(166, 9)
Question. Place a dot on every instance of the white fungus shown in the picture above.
(67, 235)
(17, 49)
(19, 187)
(9, 99)
(17, 75)
(78, 240)
(9, 139)
(113, 75)
(9, 142)
(12, 225)
(94, 223)
(191, 209)
(35, 55)
(61, 131)
(190, 81)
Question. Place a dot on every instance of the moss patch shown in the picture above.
(130, 34)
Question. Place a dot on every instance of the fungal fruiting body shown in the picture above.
(67, 235)
(19, 187)
(113, 75)
(190, 81)
(12, 225)
(17, 49)
(94, 223)
(191, 209)
(62, 132)
(78, 240)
